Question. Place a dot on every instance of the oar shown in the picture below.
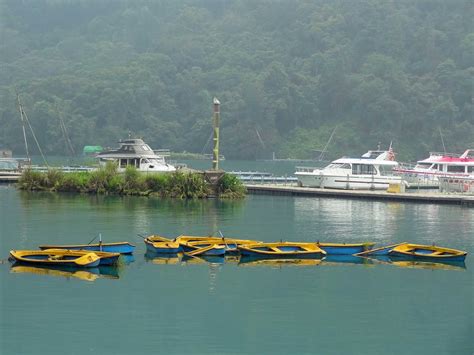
(223, 239)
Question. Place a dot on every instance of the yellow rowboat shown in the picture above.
(427, 252)
(161, 245)
(190, 243)
(206, 250)
(66, 258)
(282, 249)
(117, 247)
(105, 257)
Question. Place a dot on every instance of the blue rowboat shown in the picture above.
(64, 258)
(382, 251)
(161, 245)
(118, 247)
(344, 248)
(282, 250)
(427, 252)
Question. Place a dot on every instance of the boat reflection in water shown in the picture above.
(202, 259)
(162, 259)
(280, 262)
(417, 264)
(345, 259)
(90, 274)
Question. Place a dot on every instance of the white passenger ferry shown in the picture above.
(135, 152)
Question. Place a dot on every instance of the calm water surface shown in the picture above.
(170, 306)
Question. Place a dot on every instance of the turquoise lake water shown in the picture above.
(170, 306)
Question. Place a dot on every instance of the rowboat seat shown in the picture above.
(55, 257)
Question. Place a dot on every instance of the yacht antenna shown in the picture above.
(20, 108)
(327, 143)
(442, 140)
(23, 115)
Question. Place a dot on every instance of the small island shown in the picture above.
(107, 180)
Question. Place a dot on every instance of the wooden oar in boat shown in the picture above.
(374, 251)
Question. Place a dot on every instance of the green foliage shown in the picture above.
(385, 70)
(108, 181)
(231, 187)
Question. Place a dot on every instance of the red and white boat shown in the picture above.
(429, 170)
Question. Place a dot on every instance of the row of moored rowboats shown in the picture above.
(92, 255)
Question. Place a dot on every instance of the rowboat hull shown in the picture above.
(162, 245)
(119, 247)
(282, 250)
(344, 249)
(382, 251)
(64, 258)
(427, 253)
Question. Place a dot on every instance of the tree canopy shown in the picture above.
(286, 72)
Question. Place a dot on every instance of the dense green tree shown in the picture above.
(286, 72)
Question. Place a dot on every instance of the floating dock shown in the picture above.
(420, 197)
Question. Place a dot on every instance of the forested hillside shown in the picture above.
(286, 72)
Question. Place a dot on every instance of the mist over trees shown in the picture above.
(286, 73)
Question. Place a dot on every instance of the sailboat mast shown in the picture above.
(20, 108)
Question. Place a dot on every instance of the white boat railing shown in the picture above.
(456, 184)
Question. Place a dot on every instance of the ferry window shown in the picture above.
(455, 169)
(470, 169)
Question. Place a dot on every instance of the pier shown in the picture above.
(418, 197)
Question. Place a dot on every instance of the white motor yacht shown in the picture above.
(372, 171)
(135, 152)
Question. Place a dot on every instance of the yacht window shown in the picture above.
(363, 169)
(145, 147)
(123, 163)
(385, 170)
(125, 147)
(456, 168)
(145, 160)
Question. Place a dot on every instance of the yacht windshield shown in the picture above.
(339, 166)
(423, 165)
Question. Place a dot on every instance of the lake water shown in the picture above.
(153, 305)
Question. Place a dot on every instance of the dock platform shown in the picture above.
(419, 197)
